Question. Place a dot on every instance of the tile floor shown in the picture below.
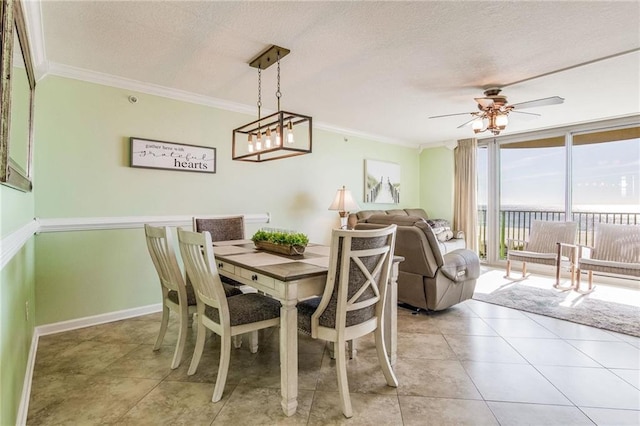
(473, 364)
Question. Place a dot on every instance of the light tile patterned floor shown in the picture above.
(474, 364)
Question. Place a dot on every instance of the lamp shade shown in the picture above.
(344, 201)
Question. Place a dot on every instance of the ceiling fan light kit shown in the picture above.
(279, 135)
(494, 111)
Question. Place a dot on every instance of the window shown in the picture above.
(588, 176)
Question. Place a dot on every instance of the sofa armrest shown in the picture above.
(461, 265)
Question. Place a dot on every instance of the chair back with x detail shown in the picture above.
(353, 300)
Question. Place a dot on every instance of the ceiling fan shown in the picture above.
(494, 110)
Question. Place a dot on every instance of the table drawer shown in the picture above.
(258, 278)
(227, 267)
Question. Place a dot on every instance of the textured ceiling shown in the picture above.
(376, 68)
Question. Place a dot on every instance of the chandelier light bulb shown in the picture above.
(278, 141)
(250, 143)
(290, 133)
(267, 139)
(477, 125)
(259, 141)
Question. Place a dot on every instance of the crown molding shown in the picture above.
(148, 88)
(33, 18)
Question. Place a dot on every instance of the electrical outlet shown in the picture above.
(26, 311)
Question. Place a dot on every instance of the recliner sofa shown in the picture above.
(428, 279)
(448, 240)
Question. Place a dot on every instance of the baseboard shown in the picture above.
(74, 324)
(23, 408)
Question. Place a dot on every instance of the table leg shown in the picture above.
(391, 316)
(289, 356)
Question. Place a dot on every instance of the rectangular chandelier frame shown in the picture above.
(279, 120)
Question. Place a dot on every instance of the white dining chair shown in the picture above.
(176, 295)
(227, 317)
(353, 300)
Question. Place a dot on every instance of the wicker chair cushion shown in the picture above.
(611, 267)
(247, 308)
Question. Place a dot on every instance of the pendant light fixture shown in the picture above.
(279, 135)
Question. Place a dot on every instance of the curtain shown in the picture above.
(465, 206)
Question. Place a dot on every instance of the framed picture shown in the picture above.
(152, 154)
(381, 182)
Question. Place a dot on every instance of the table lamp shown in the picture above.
(343, 203)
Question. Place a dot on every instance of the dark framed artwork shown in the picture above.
(152, 154)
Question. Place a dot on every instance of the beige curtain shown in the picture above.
(465, 206)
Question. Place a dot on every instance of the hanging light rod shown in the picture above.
(269, 57)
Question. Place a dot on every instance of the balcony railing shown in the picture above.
(515, 224)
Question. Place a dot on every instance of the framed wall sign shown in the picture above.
(152, 154)
(381, 182)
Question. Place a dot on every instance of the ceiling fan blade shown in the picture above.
(451, 115)
(467, 123)
(484, 102)
(528, 113)
(554, 100)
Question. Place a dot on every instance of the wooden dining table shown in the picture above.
(290, 279)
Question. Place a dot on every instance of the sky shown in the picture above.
(605, 177)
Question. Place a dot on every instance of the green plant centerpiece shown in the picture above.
(280, 241)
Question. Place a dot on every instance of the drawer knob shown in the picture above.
(254, 277)
(220, 265)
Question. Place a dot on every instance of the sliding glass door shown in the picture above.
(587, 176)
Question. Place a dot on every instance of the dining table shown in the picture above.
(290, 279)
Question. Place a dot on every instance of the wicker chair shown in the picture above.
(227, 317)
(352, 303)
(616, 251)
(550, 243)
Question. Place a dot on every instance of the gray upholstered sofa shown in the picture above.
(428, 278)
(448, 239)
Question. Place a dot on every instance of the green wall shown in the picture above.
(82, 157)
(17, 288)
(436, 182)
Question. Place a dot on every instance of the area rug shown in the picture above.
(582, 310)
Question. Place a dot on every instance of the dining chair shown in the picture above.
(352, 304)
(227, 317)
(550, 243)
(177, 295)
(221, 228)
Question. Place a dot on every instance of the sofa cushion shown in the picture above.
(417, 212)
(417, 222)
(397, 212)
(385, 219)
(366, 214)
